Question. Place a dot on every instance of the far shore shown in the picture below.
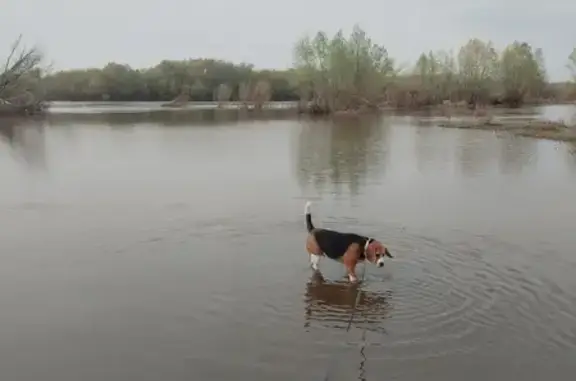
(519, 121)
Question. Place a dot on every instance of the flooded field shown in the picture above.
(145, 245)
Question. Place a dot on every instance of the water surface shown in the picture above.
(156, 246)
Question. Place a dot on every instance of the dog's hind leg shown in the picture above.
(315, 261)
(314, 251)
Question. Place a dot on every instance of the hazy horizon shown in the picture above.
(84, 34)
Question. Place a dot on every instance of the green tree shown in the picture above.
(340, 74)
(522, 73)
(118, 82)
(431, 81)
(477, 70)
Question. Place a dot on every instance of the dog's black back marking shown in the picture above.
(334, 244)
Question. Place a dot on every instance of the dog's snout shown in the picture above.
(380, 264)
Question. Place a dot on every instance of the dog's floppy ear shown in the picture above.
(387, 253)
(369, 252)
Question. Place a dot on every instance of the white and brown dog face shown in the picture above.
(376, 252)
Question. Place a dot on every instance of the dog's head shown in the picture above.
(376, 252)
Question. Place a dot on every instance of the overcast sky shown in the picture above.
(82, 33)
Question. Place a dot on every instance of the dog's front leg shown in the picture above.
(351, 270)
(350, 261)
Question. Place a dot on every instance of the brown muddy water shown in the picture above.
(153, 247)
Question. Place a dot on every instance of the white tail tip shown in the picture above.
(307, 207)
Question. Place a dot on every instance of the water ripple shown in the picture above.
(447, 295)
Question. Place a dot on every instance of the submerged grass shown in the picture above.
(542, 129)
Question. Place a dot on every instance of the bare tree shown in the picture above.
(244, 93)
(223, 94)
(261, 93)
(20, 79)
(572, 64)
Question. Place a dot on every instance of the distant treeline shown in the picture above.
(200, 79)
(204, 81)
(330, 74)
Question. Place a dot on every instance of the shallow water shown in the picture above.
(155, 247)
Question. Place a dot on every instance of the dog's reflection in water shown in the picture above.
(330, 304)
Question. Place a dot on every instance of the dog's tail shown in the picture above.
(309, 224)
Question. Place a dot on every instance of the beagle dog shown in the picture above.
(348, 248)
